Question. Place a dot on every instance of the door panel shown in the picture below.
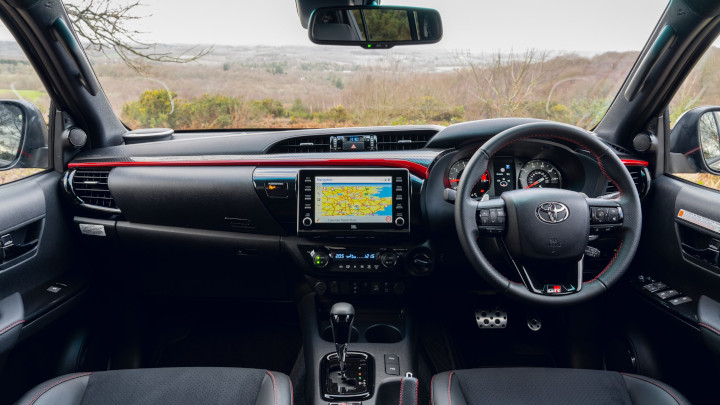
(38, 248)
(664, 339)
(21, 223)
(664, 234)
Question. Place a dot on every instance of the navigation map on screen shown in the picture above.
(345, 199)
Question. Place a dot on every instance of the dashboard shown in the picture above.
(357, 211)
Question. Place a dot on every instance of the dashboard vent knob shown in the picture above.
(421, 262)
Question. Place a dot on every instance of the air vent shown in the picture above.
(403, 140)
(641, 178)
(91, 187)
(305, 144)
(619, 149)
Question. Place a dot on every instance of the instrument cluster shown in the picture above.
(527, 165)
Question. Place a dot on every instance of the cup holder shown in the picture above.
(327, 336)
(382, 333)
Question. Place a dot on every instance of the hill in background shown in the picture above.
(316, 86)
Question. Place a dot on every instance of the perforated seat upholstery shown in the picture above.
(545, 386)
(178, 386)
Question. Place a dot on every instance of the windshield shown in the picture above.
(251, 65)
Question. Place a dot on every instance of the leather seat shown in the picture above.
(177, 386)
(540, 386)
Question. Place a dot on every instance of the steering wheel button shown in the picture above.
(601, 214)
(493, 217)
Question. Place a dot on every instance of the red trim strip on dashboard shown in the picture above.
(415, 168)
(633, 162)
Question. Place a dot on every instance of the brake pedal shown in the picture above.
(534, 323)
(491, 319)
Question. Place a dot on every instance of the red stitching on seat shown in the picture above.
(292, 394)
(55, 385)
(432, 399)
(449, 385)
(7, 328)
(402, 380)
(655, 384)
(274, 385)
(417, 385)
(709, 327)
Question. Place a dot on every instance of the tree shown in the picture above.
(11, 124)
(505, 85)
(104, 26)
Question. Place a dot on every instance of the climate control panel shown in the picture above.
(355, 260)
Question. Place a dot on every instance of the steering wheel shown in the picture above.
(545, 231)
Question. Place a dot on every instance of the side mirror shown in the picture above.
(23, 136)
(375, 27)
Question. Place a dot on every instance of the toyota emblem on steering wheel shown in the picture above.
(552, 212)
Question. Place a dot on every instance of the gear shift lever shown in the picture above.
(342, 316)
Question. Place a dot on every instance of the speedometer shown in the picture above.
(539, 174)
(455, 174)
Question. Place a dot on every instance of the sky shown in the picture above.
(474, 25)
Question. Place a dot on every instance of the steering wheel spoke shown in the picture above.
(491, 217)
(555, 280)
(606, 216)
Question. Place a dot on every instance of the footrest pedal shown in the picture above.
(491, 319)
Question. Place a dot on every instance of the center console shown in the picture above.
(375, 344)
(349, 230)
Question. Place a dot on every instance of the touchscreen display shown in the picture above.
(348, 199)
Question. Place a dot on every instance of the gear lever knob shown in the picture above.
(342, 316)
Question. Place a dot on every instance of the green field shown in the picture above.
(30, 95)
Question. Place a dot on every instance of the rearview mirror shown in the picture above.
(23, 135)
(375, 27)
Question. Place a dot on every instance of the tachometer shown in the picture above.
(539, 174)
(455, 174)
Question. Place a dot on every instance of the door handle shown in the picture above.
(9, 250)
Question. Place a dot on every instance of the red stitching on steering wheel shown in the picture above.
(609, 264)
(602, 169)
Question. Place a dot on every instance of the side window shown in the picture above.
(700, 89)
(24, 107)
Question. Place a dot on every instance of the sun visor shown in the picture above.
(704, 8)
(306, 7)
